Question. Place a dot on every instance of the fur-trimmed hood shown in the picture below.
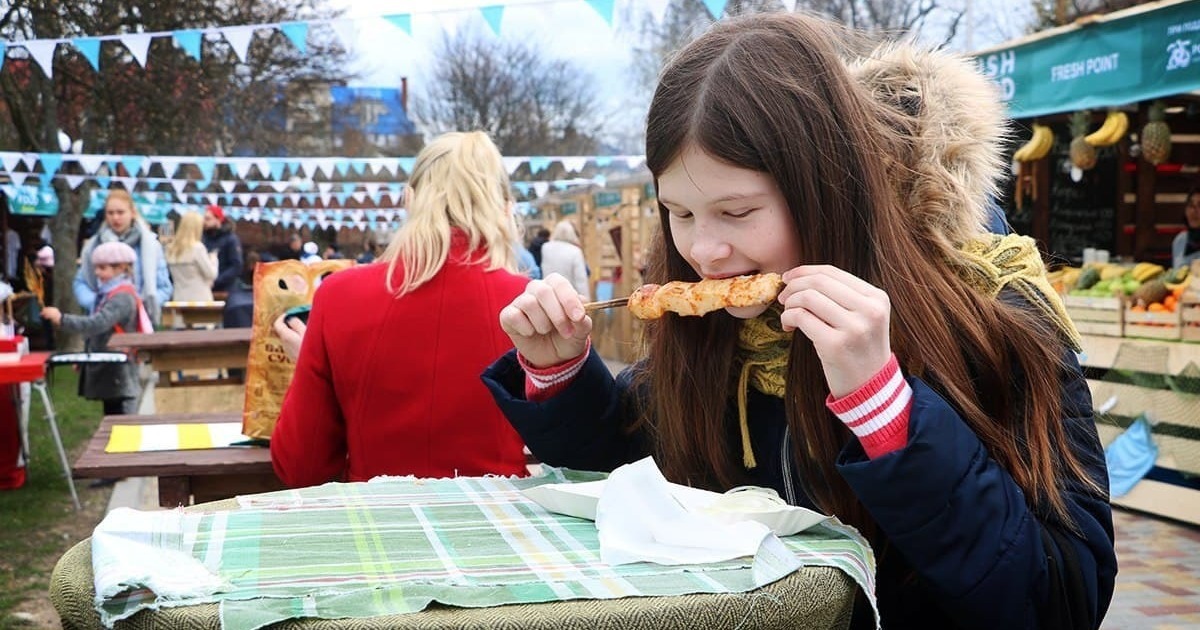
(953, 127)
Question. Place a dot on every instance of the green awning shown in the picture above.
(1145, 52)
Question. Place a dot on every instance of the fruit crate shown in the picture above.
(1096, 315)
(1190, 314)
(1154, 325)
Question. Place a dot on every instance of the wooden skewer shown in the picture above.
(595, 306)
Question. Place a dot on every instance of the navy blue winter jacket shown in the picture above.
(229, 255)
(963, 548)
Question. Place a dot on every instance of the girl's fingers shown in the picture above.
(851, 280)
(834, 288)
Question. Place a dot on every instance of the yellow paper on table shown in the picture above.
(137, 438)
(278, 286)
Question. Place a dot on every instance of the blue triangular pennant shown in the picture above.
(132, 164)
(103, 181)
(3, 51)
(341, 198)
(715, 8)
(492, 15)
(603, 161)
(348, 187)
(297, 33)
(407, 164)
(50, 163)
(89, 47)
(278, 199)
(605, 9)
(189, 41)
(277, 169)
(402, 21)
(206, 166)
(538, 164)
(340, 167)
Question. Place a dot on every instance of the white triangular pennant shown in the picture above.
(790, 5)
(179, 185)
(227, 185)
(212, 198)
(73, 181)
(42, 51)
(511, 164)
(347, 31)
(264, 168)
(128, 182)
(30, 160)
(324, 186)
(239, 38)
(169, 165)
(279, 186)
(18, 178)
(541, 187)
(309, 166)
(325, 197)
(372, 188)
(90, 163)
(573, 164)
(138, 45)
(245, 198)
(10, 159)
(359, 196)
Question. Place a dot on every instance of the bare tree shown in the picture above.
(685, 19)
(1051, 13)
(175, 105)
(528, 103)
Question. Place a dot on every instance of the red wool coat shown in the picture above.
(387, 386)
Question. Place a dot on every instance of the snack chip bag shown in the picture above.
(279, 287)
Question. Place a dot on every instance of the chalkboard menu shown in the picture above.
(1082, 214)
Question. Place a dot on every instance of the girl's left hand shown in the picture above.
(291, 334)
(846, 318)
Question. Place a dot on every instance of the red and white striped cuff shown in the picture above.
(877, 412)
(543, 383)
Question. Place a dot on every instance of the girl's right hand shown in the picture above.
(547, 323)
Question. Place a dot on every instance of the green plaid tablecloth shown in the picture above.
(394, 546)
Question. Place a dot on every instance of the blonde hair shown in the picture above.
(458, 182)
(565, 231)
(187, 234)
(123, 195)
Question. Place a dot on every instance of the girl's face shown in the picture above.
(726, 220)
(1193, 211)
(106, 272)
(118, 215)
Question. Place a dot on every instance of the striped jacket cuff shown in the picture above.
(878, 411)
(543, 383)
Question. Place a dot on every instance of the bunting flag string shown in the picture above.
(281, 172)
(239, 37)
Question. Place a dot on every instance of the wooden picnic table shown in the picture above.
(169, 352)
(184, 476)
(183, 315)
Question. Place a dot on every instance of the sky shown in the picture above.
(572, 30)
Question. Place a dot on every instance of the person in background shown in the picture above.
(219, 237)
(193, 267)
(239, 303)
(563, 256)
(294, 248)
(535, 246)
(119, 310)
(310, 253)
(387, 368)
(331, 253)
(1186, 246)
(150, 274)
(526, 265)
(915, 376)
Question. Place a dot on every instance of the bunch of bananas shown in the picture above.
(1144, 271)
(1115, 125)
(1038, 146)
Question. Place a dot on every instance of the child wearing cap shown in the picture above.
(118, 309)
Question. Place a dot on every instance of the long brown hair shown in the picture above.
(774, 94)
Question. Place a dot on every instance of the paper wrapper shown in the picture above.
(278, 286)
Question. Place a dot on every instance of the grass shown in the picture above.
(37, 521)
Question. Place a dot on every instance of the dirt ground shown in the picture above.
(36, 611)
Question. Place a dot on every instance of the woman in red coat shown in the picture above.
(387, 377)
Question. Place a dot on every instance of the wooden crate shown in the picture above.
(1095, 315)
(1151, 325)
(1189, 312)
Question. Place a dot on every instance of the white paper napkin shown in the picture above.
(640, 521)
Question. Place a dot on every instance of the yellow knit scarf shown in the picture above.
(988, 264)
